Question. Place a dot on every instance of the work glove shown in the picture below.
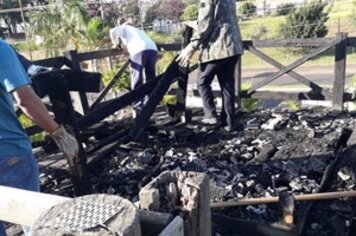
(35, 69)
(66, 142)
(185, 55)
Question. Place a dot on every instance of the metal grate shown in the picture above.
(85, 215)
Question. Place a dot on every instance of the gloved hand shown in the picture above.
(66, 142)
(35, 69)
(185, 55)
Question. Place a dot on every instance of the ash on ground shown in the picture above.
(268, 151)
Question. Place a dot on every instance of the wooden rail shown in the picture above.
(337, 95)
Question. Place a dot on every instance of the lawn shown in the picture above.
(339, 21)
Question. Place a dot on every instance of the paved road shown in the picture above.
(321, 75)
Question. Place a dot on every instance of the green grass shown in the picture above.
(339, 20)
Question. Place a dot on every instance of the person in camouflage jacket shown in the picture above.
(219, 39)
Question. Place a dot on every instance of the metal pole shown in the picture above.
(25, 28)
(139, 12)
(101, 10)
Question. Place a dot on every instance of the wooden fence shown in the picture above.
(337, 94)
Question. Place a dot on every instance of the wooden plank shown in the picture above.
(238, 79)
(269, 200)
(184, 76)
(181, 184)
(169, 47)
(175, 228)
(141, 121)
(87, 56)
(73, 57)
(310, 42)
(340, 71)
(56, 62)
(64, 113)
(351, 41)
(293, 74)
(292, 66)
(106, 109)
(110, 85)
(23, 207)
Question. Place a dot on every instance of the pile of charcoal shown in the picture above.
(269, 151)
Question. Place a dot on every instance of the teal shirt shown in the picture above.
(13, 139)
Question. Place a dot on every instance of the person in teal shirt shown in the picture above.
(18, 167)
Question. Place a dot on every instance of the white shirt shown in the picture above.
(134, 39)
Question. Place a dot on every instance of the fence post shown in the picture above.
(238, 81)
(73, 57)
(340, 68)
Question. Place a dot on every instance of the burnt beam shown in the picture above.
(58, 92)
(157, 94)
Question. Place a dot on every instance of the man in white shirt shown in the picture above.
(143, 55)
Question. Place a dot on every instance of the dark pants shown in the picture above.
(144, 61)
(224, 69)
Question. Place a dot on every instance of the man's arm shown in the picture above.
(205, 21)
(33, 107)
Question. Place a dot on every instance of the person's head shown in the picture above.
(121, 21)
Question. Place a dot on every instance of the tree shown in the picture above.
(12, 19)
(284, 9)
(306, 22)
(108, 11)
(190, 13)
(165, 9)
(67, 26)
(247, 8)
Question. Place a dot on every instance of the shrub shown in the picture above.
(306, 22)
(247, 8)
(259, 32)
(190, 13)
(121, 84)
(284, 9)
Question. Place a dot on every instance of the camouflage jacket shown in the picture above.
(218, 34)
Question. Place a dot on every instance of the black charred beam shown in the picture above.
(141, 121)
(181, 92)
(106, 109)
(75, 81)
(57, 89)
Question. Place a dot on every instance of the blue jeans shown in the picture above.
(19, 171)
(142, 63)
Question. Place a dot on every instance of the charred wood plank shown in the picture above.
(75, 81)
(110, 85)
(73, 57)
(181, 92)
(56, 62)
(340, 71)
(157, 94)
(86, 56)
(238, 80)
(351, 41)
(57, 90)
(295, 64)
(104, 110)
(316, 88)
(169, 47)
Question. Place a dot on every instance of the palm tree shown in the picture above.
(67, 26)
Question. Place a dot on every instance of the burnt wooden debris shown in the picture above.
(126, 137)
(186, 192)
(57, 85)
